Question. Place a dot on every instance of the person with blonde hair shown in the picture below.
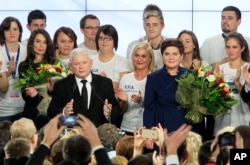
(25, 128)
(121, 160)
(194, 142)
(131, 89)
(153, 24)
(68, 132)
(93, 160)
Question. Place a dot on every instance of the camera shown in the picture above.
(149, 134)
(69, 121)
(227, 139)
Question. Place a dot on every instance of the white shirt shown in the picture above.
(213, 49)
(89, 51)
(112, 68)
(11, 102)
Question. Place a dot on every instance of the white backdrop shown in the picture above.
(201, 16)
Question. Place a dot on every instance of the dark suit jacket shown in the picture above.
(42, 151)
(245, 96)
(102, 88)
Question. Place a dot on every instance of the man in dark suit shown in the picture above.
(100, 104)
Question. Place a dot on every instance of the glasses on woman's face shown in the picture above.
(105, 38)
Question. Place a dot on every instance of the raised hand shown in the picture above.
(107, 109)
(175, 140)
(138, 142)
(88, 130)
(136, 97)
(121, 94)
(68, 109)
(12, 66)
(52, 131)
(160, 132)
(196, 64)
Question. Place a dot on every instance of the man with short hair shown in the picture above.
(25, 128)
(213, 48)
(84, 92)
(17, 147)
(89, 26)
(153, 23)
(36, 20)
(77, 148)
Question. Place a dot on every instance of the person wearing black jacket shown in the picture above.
(97, 102)
(52, 132)
(245, 92)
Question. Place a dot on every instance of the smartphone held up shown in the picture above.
(149, 134)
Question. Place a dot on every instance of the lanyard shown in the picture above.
(16, 61)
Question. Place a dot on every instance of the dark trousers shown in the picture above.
(205, 128)
(12, 118)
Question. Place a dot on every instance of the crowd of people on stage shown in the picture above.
(109, 108)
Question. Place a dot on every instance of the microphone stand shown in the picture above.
(109, 115)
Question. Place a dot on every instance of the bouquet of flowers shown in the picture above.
(38, 78)
(33, 77)
(204, 92)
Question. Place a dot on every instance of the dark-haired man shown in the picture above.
(89, 26)
(36, 20)
(213, 48)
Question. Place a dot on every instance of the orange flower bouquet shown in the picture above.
(204, 92)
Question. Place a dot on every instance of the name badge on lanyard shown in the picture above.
(16, 61)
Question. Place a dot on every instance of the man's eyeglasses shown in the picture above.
(103, 38)
(92, 28)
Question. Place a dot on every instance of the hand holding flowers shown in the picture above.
(33, 77)
(204, 92)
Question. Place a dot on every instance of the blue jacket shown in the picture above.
(160, 103)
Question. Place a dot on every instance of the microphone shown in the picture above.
(99, 97)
